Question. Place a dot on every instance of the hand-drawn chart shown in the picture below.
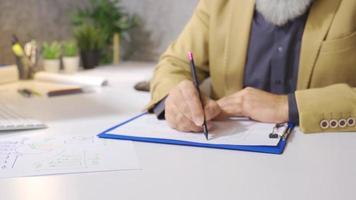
(36, 156)
(8, 155)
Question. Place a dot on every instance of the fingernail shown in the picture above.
(198, 121)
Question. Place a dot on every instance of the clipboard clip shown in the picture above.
(288, 131)
(275, 133)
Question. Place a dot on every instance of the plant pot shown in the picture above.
(51, 66)
(71, 64)
(90, 59)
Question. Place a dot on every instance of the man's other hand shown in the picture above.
(255, 104)
(184, 111)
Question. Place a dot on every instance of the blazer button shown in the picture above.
(351, 122)
(342, 123)
(324, 124)
(334, 123)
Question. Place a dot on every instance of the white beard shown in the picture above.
(280, 12)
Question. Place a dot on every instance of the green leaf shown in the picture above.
(70, 49)
(51, 51)
(104, 15)
(89, 38)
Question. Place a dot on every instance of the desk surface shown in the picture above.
(318, 166)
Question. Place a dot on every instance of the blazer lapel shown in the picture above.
(237, 43)
(318, 24)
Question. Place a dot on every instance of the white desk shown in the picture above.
(321, 166)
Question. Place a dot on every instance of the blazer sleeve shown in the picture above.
(329, 109)
(173, 66)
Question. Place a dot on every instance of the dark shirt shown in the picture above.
(273, 58)
(272, 61)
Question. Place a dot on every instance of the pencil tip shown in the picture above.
(206, 133)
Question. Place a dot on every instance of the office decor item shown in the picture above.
(113, 21)
(32, 52)
(90, 42)
(28, 93)
(22, 61)
(43, 89)
(116, 49)
(143, 86)
(234, 134)
(75, 80)
(51, 53)
(70, 57)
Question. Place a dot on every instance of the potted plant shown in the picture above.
(51, 53)
(70, 57)
(90, 43)
(112, 20)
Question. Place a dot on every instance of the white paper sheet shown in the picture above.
(35, 156)
(71, 79)
(231, 132)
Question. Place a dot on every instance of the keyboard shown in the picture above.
(10, 120)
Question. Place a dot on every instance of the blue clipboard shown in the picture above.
(259, 149)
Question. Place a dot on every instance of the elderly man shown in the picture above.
(269, 60)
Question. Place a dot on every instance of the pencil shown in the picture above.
(196, 84)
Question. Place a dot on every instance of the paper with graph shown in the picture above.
(35, 156)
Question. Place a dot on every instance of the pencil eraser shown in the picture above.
(190, 55)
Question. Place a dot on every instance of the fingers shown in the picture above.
(212, 110)
(184, 110)
(177, 120)
(191, 103)
(231, 106)
(179, 111)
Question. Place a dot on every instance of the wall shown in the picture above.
(44, 20)
(47, 20)
(163, 20)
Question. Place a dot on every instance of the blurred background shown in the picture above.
(145, 27)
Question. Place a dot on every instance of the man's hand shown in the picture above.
(257, 105)
(183, 109)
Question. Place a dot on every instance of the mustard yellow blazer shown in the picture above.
(218, 34)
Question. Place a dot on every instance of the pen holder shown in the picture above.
(24, 68)
(26, 58)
